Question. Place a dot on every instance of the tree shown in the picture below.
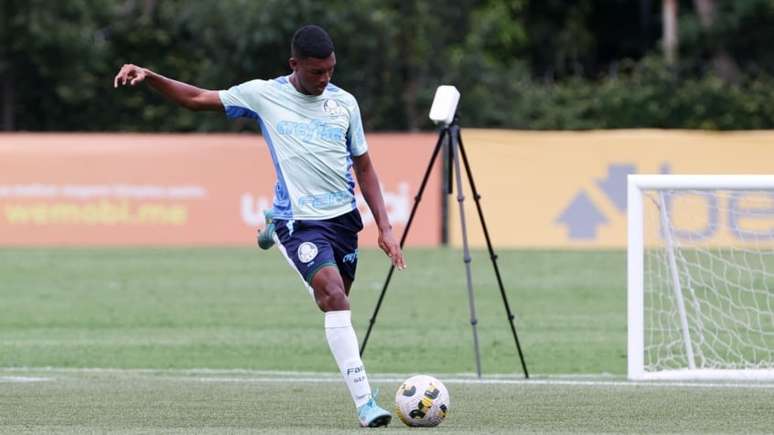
(724, 65)
(670, 34)
(52, 62)
(517, 63)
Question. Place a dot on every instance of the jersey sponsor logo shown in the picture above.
(314, 130)
(307, 251)
(332, 108)
(326, 200)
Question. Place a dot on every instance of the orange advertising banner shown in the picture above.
(165, 189)
(567, 190)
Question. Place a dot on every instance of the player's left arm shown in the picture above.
(369, 185)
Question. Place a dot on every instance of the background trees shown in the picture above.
(534, 64)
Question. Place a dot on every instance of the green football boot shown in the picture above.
(266, 236)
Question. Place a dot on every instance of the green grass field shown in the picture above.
(228, 341)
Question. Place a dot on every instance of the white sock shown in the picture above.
(343, 343)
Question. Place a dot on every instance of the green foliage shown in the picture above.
(54, 57)
(518, 63)
(743, 28)
(647, 96)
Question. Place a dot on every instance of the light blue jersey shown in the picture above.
(312, 140)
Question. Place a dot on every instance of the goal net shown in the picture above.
(701, 277)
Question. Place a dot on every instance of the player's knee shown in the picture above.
(332, 298)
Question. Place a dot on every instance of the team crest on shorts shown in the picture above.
(307, 251)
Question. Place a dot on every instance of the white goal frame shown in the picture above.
(636, 275)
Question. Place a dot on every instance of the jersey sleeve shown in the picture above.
(356, 141)
(243, 100)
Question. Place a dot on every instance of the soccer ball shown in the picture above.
(422, 401)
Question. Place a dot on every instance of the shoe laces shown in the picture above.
(372, 400)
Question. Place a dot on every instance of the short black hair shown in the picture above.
(311, 41)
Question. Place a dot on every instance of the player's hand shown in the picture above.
(129, 74)
(391, 247)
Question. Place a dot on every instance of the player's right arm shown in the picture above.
(185, 95)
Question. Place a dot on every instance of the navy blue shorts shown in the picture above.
(311, 245)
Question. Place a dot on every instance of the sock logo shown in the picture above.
(356, 374)
(354, 370)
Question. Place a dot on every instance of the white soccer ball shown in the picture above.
(422, 401)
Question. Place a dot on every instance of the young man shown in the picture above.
(315, 136)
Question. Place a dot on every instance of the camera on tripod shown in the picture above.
(444, 104)
(444, 113)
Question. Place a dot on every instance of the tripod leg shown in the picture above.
(465, 247)
(492, 254)
(441, 137)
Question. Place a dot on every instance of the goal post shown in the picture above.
(700, 277)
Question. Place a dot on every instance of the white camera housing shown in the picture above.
(444, 104)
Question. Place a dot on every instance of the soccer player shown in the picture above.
(315, 137)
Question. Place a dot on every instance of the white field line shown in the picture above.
(270, 376)
(8, 379)
(252, 372)
(522, 382)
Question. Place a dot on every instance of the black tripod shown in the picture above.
(450, 136)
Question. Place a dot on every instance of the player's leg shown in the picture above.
(343, 241)
(307, 248)
(330, 294)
